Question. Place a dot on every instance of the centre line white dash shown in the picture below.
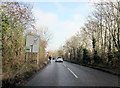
(73, 73)
(64, 65)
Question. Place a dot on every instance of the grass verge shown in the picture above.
(22, 76)
(108, 69)
(114, 71)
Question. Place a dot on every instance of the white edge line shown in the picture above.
(73, 73)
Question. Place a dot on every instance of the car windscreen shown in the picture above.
(59, 57)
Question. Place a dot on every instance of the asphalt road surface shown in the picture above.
(68, 74)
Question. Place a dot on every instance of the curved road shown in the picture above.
(68, 74)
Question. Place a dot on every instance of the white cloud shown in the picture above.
(77, 17)
(45, 18)
(61, 30)
(51, 20)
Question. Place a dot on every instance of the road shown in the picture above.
(68, 74)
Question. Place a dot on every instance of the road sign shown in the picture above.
(32, 43)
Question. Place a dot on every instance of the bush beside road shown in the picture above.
(17, 22)
(26, 72)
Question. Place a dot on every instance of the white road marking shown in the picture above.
(64, 65)
(73, 73)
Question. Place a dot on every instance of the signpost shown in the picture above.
(33, 45)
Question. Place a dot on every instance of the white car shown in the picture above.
(59, 59)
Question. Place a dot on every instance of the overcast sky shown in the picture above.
(63, 19)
